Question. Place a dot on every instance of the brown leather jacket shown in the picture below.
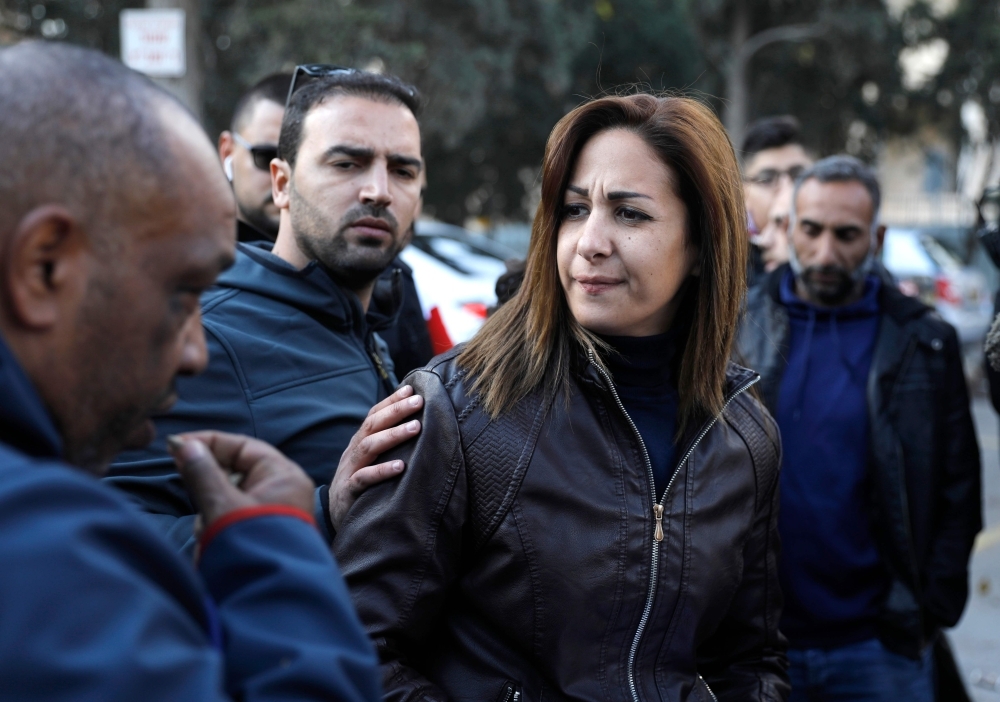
(517, 559)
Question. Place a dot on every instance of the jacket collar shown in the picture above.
(25, 423)
(311, 290)
(586, 372)
(892, 302)
(247, 233)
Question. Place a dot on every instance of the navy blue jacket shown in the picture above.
(94, 605)
(292, 361)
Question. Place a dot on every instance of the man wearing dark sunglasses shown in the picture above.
(247, 149)
(773, 157)
(294, 354)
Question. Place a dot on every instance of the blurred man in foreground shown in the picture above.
(115, 219)
(880, 484)
(295, 358)
(773, 157)
(247, 149)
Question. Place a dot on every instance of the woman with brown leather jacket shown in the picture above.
(590, 511)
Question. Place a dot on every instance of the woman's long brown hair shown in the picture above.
(529, 342)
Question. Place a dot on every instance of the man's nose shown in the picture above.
(826, 250)
(375, 190)
(194, 350)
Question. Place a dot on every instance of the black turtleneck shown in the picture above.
(642, 370)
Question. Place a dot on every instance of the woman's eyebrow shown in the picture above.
(578, 190)
(626, 195)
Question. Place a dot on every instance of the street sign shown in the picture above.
(153, 41)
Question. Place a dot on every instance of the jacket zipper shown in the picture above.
(657, 512)
(511, 694)
(710, 693)
(378, 364)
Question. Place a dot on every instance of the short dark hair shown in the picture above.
(842, 169)
(273, 88)
(771, 133)
(373, 86)
(80, 129)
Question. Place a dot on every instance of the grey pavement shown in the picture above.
(976, 639)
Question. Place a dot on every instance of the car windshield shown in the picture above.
(944, 258)
(903, 255)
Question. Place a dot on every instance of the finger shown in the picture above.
(391, 415)
(235, 452)
(206, 481)
(400, 394)
(372, 475)
(373, 446)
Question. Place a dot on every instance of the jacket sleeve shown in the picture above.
(959, 498)
(213, 400)
(98, 607)
(745, 658)
(400, 545)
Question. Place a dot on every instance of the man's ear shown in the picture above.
(45, 266)
(879, 237)
(226, 145)
(281, 183)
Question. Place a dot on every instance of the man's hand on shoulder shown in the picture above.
(382, 430)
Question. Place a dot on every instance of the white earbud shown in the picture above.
(227, 166)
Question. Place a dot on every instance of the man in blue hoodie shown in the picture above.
(114, 217)
(880, 485)
(294, 358)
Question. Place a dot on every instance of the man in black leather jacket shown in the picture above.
(880, 477)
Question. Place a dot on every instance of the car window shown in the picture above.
(942, 256)
(903, 255)
(460, 256)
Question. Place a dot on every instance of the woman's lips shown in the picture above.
(595, 285)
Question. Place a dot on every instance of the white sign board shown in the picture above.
(153, 41)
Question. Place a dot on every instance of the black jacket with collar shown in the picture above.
(516, 559)
(925, 477)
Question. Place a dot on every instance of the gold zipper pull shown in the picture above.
(658, 513)
(378, 364)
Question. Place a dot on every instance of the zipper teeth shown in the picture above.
(655, 559)
(710, 692)
(656, 544)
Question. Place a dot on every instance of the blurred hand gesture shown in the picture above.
(209, 460)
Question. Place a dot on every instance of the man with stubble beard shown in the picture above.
(880, 484)
(247, 149)
(295, 359)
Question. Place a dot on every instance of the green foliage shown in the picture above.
(972, 70)
(498, 74)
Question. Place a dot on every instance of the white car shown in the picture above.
(926, 269)
(455, 273)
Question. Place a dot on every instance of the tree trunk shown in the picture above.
(188, 88)
(737, 92)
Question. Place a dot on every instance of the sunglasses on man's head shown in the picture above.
(308, 72)
(262, 154)
(312, 71)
